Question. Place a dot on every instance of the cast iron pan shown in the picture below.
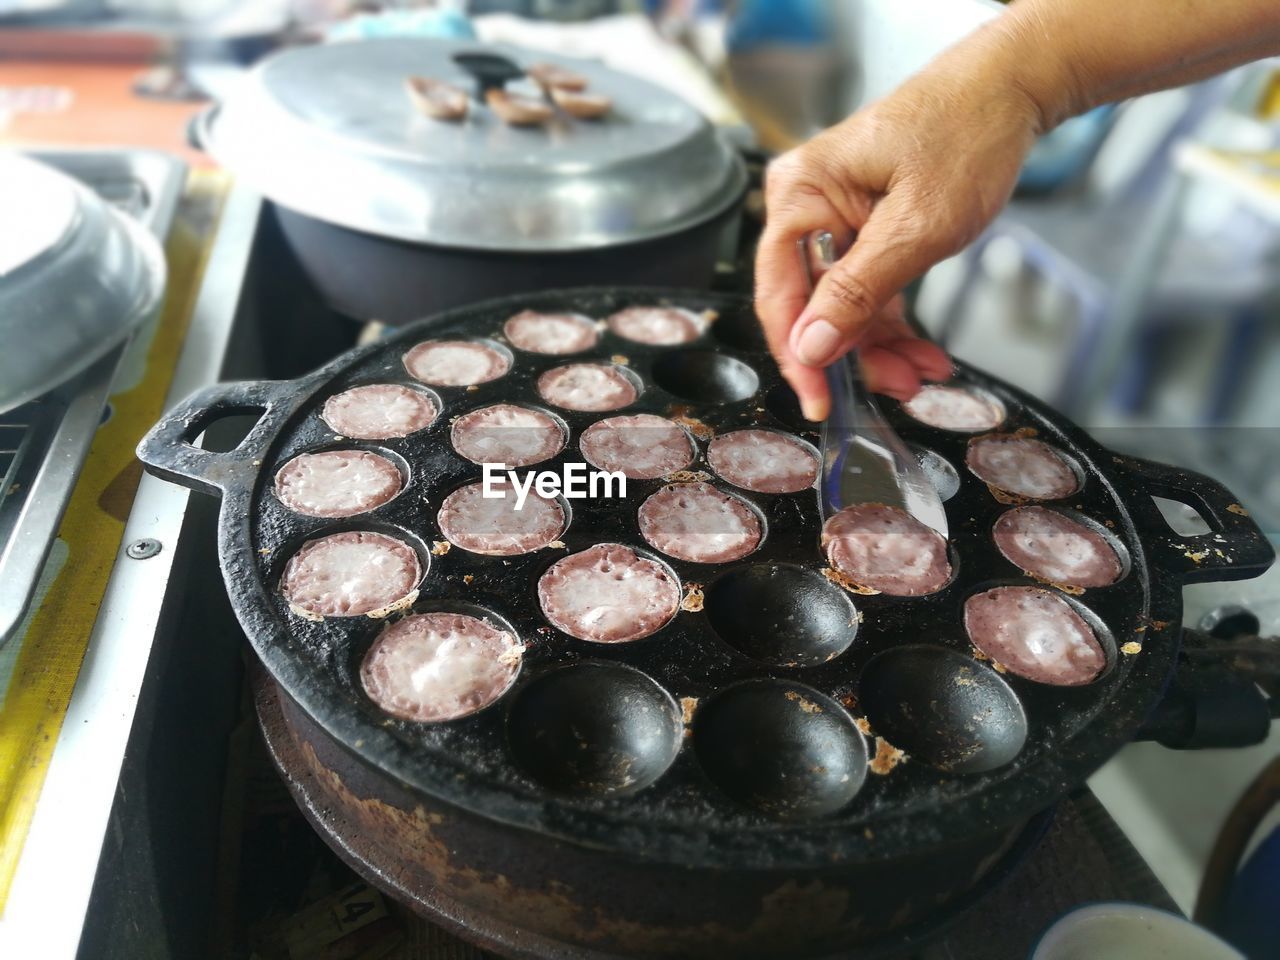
(896, 678)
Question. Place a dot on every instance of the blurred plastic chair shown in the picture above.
(1083, 244)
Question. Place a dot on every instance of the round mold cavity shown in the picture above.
(474, 451)
(273, 563)
(458, 682)
(620, 369)
(781, 748)
(938, 469)
(1108, 535)
(365, 446)
(943, 708)
(692, 543)
(704, 376)
(282, 557)
(595, 729)
(501, 349)
(1037, 447)
(472, 541)
(393, 380)
(741, 331)
(1101, 632)
(931, 408)
(782, 614)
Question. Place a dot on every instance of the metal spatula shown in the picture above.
(863, 459)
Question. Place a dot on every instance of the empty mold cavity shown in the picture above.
(705, 377)
(781, 748)
(942, 708)
(782, 614)
(594, 729)
(939, 470)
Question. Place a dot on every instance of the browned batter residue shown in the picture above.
(887, 757)
(687, 706)
(808, 706)
(841, 580)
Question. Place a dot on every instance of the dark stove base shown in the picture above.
(312, 785)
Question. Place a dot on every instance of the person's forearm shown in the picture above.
(1072, 55)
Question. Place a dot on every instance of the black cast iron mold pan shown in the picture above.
(683, 818)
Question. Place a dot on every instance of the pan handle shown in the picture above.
(167, 452)
(1236, 548)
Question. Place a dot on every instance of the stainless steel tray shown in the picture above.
(43, 443)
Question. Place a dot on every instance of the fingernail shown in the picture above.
(817, 344)
(813, 411)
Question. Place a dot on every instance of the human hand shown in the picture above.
(916, 177)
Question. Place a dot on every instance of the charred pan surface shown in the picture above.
(529, 896)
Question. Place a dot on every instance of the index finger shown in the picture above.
(783, 288)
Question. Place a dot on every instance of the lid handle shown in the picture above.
(491, 71)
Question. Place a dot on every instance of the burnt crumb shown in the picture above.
(687, 476)
(1008, 499)
(1064, 587)
(557, 545)
(467, 578)
(403, 603)
(472, 388)
(1237, 510)
(620, 358)
(808, 706)
(693, 598)
(842, 580)
(687, 707)
(1132, 647)
(440, 547)
(695, 426)
(887, 757)
(863, 724)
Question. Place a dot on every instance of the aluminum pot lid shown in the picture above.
(76, 277)
(329, 131)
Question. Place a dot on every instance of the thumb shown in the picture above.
(887, 255)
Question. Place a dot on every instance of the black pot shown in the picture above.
(368, 277)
